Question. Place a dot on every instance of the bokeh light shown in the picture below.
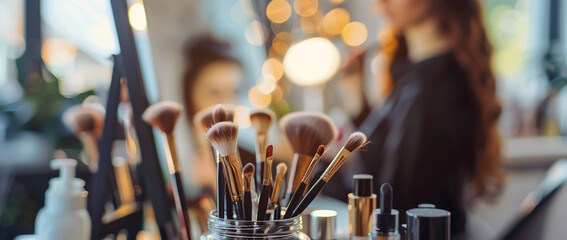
(272, 68)
(312, 61)
(311, 25)
(255, 33)
(278, 11)
(58, 52)
(305, 8)
(281, 42)
(137, 16)
(337, 1)
(242, 117)
(277, 94)
(354, 33)
(335, 20)
(259, 99)
(267, 85)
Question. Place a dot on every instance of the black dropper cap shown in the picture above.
(362, 185)
(385, 218)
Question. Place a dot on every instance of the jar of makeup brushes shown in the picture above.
(220, 229)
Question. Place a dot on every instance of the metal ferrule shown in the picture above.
(277, 186)
(267, 174)
(233, 176)
(247, 180)
(360, 214)
(335, 164)
(217, 156)
(311, 169)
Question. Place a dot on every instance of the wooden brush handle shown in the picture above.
(179, 197)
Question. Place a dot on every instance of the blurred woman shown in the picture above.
(435, 140)
(212, 76)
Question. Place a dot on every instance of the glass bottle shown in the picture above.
(220, 229)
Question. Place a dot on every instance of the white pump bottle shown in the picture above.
(64, 216)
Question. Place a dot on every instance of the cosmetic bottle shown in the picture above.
(323, 224)
(385, 218)
(361, 203)
(64, 215)
(428, 223)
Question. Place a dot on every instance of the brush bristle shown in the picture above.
(307, 130)
(223, 136)
(248, 169)
(204, 119)
(261, 119)
(355, 141)
(320, 150)
(82, 118)
(269, 151)
(219, 114)
(163, 115)
(281, 169)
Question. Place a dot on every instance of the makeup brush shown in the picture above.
(281, 170)
(163, 116)
(260, 120)
(220, 113)
(277, 212)
(223, 137)
(203, 119)
(354, 142)
(247, 178)
(298, 194)
(86, 121)
(266, 190)
(305, 132)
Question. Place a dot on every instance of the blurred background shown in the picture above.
(273, 41)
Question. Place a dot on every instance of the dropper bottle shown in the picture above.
(385, 218)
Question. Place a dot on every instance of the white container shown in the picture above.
(64, 216)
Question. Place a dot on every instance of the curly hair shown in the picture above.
(461, 22)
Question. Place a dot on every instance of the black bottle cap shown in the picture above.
(428, 223)
(362, 185)
(385, 218)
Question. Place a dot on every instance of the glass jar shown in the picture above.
(220, 228)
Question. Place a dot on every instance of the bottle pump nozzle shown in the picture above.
(66, 173)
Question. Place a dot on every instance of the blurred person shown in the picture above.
(435, 139)
(211, 76)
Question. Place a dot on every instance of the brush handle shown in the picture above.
(277, 212)
(228, 204)
(247, 206)
(238, 209)
(259, 173)
(221, 185)
(179, 198)
(309, 197)
(294, 200)
(264, 198)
